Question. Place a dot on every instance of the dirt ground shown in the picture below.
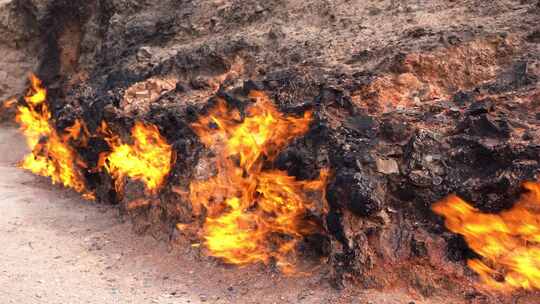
(58, 248)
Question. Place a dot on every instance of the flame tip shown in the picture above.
(509, 241)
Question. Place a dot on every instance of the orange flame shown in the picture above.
(148, 159)
(253, 215)
(51, 155)
(509, 242)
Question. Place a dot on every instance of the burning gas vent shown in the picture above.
(253, 213)
(508, 242)
(51, 155)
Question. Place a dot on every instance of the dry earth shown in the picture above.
(57, 248)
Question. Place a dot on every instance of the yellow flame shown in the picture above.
(51, 156)
(148, 159)
(252, 215)
(509, 242)
(39, 94)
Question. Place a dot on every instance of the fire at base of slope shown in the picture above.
(255, 214)
(54, 155)
(252, 215)
(147, 159)
(508, 242)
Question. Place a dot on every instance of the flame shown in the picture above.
(148, 159)
(509, 242)
(51, 156)
(252, 214)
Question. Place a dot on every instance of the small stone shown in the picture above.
(453, 40)
(418, 32)
(142, 94)
(259, 9)
(273, 84)
(387, 166)
(437, 180)
(251, 85)
(199, 83)
(144, 54)
(480, 107)
(461, 98)
(373, 11)
(420, 178)
(276, 32)
(181, 87)
(363, 124)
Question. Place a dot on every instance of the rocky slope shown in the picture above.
(413, 100)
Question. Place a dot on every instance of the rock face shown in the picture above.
(18, 45)
(413, 100)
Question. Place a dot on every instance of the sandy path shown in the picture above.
(57, 248)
